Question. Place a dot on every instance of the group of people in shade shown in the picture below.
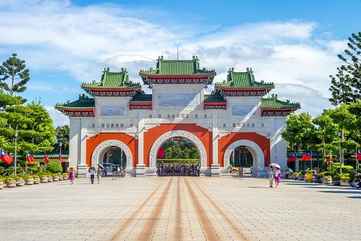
(178, 170)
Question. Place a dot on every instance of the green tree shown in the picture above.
(14, 75)
(35, 128)
(62, 135)
(346, 84)
(300, 132)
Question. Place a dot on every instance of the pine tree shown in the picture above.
(14, 75)
(346, 84)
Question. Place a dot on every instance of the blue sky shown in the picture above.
(64, 42)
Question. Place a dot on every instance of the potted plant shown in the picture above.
(43, 177)
(20, 181)
(36, 179)
(55, 177)
(345, 179)
(308, 176)
(327, 179)
(65, 176)
(29, 180)
(2, 183)
(10, 182)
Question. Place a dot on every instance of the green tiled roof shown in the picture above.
(177, 67)
(244, 80)
(81, 102)
(214, 98)
(113, 80)
(274, 103)
(142, 97)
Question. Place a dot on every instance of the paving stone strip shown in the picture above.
(147, 232)
(240, 236)
(124, 225)
(207, 226)
(178, 218)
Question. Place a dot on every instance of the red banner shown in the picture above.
(161, 153)
(7, 159)
(358, 156)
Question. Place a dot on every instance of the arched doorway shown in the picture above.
(113, 153)
(242, 158)
(248, 152)
(113, 159)
(178, 156)
(178, 133)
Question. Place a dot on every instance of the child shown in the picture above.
(71, 175)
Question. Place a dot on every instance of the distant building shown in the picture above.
(120, 116)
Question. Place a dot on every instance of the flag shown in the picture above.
(358, 156)
(30, 159)
(46, 159)
(161, 153)
(2, 154)
(7, 159)
(306, 156)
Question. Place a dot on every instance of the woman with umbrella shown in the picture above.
(277, 173)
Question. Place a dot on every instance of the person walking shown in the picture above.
(277, 176)
(71, 175)
(92, 174)
(99, 174)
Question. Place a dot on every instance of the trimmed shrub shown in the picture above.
(54, 166)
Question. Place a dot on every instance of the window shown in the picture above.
(262, 125)
(131, 125)
(93, 125)
(159, 116)
(234, 124)
(252, 125)
(196, 116)
(205, 116)
(173, 116)
(117, 125)
(187, 116)
(168, 115)
(108, 125)
(224, 125)
(121, 125)
(103, 125)
(150, 116)
(247, 124)
(112, 125)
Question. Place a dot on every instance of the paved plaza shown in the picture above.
(179, 208)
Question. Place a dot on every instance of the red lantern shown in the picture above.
(292, 158)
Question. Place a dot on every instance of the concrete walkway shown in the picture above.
(180, 208)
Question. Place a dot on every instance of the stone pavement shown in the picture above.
(179, 208)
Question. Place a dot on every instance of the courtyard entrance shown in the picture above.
(242, 158)
(114, 161)
(178, 156)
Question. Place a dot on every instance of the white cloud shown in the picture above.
(59, 118)
(57, 35)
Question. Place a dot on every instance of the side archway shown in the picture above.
(103, 146)
(177, 133)
(256, 151)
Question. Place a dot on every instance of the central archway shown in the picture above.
(178, 133)
(104, 146)
(253, 148)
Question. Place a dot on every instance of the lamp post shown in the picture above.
(60, 145)
(341, 149)
(15, 149)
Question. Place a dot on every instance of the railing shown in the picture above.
(178, 161)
